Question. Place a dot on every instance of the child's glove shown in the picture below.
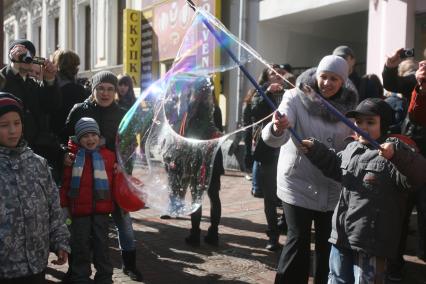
(306, 146)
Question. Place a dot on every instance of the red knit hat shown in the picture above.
(9, 102)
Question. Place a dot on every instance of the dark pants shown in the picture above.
(268, 185)
(248, 158)
(418, 199)
(421, 222)
(38, 278)
(293, 266)
(215, 207)
(90, 234)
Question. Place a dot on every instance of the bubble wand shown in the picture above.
(242, 68)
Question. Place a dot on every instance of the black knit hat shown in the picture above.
(9, 102)
(104, 77)
(374, 106)
(344, 51)
(28, 45)
(86, 125)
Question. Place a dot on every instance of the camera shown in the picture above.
(38, 60)
(28, 59)
(406, 53)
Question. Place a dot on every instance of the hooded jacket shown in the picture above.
(299, 182)
(31, 220)
(369, 214)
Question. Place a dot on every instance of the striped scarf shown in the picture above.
(101, 186)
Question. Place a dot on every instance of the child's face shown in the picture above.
(10, 129)
(89, 141)
(122, 89)
(370, 124)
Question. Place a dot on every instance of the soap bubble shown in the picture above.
(167, 142)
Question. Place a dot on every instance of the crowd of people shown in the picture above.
(57, 133)
(58, 143)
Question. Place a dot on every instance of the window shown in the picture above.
(121, 5)
(87, 39)
(56, 39)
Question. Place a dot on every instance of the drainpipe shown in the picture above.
(240, 75)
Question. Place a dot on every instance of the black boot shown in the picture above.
(129, 265)
(212, 237)
(194, 238)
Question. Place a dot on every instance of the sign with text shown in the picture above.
(171, 21)
(132, 44)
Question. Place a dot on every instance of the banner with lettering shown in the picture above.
(132, 44)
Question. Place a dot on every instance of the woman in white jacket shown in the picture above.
(306, 193)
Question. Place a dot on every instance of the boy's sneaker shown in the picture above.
(248, 177)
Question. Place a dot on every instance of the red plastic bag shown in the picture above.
(124, 195)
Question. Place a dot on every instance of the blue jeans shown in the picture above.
(123, 223)
(348, 266)
(256, 178)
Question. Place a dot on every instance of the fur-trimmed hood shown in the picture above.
(345, 100)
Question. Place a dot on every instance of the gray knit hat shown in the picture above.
(335, 64)
(104, 77)
(86, 125)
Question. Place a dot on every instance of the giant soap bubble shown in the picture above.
(167, 142)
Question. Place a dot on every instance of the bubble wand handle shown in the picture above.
(349, 123)
(243, 69)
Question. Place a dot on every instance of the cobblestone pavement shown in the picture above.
(164, 258)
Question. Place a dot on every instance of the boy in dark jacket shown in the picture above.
(86, 193)
(367, 221)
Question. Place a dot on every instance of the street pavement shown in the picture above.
(241, 257)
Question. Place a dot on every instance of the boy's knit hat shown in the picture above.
(374, 106)
(104, 77)
(9, 102)
(86, 125)
(335, 64)
(25, 42)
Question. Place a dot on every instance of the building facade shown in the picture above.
(282, 31)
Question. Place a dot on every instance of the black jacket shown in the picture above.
(368, 216)
(72, 93)
(398, 84)
(259, 110)
(108, 118)
(39, 100)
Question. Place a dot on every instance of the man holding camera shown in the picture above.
(405, 86)
(394, 83)
(40, 99)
